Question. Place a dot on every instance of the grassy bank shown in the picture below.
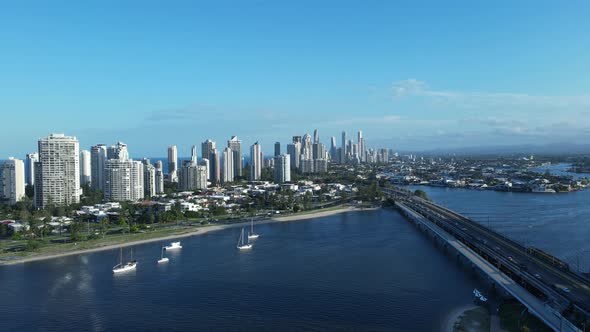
(513, 317)
(48, 249)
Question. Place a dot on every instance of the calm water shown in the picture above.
(557, 223)
(560, 169)
(354, 271)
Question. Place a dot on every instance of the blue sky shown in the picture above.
(411, 74)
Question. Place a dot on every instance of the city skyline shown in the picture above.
(416, 78)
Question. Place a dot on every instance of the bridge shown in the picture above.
(541, 282)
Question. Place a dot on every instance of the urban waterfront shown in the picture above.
(362, 270)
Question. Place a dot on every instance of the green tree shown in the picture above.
(75, 228)
(123, 223)
(421, 193)
(104, 226)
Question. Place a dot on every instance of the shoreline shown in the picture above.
(196, 232)
(454, 317)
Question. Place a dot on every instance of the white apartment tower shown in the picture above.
(236, 146)
(172, 164)
(123, 180)
(294, 150)
(57, 173)
(159, 180)
(85, 168)
(192, 177)
(194, 154)
(282, 168)
(12, 181)
(256, 161)
(149, 179)
(228, 165)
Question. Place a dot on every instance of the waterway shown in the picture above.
(353, 271)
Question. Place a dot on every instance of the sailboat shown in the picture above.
(241, 245)
(251, 234)
(131, 265)
(162, 258)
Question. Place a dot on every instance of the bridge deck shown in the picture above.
(537, 307)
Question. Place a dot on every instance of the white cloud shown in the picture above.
(488, 100)
(385, 119)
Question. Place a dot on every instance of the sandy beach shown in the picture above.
(454, 316)
(199, 231)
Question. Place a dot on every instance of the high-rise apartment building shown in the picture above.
(294, 150)
(149, 179)
(333, 150)
(256, 161)
(159, 177)
(282, 168)
(192, 177)
(277, 149)
(123, 180)
(228, 166)
(172, 164)
(118, 151)
(343, 151)
(98, 157)
(236, 146)
(215, 166)
(30, 161)
(85, 168)
(57, 173)
(12, 181)
(194, 154)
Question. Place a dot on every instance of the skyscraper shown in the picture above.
(343, 152)
(192, 177)
(294, 150)
(307, 155)
(85, 168)
(98, 157)
(30, 161)
(149, 178)
(228, 166)
(206, 148)
(236, 146)
(256, 161)
(57, 174)
(277, 149)
(361, 147)
(159, 180)
(296, 139)
(282, 168)
(118, 151)
(215, 166)
(123, 180)
(12, 181)
(333, 149)
(172, 164)
(316, 136)
(194, 154)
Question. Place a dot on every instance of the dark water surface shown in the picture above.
(354, 271)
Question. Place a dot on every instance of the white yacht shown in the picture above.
(241, 245)
(173, 245)
(251, 234)
(131, 265)
(162, 258)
